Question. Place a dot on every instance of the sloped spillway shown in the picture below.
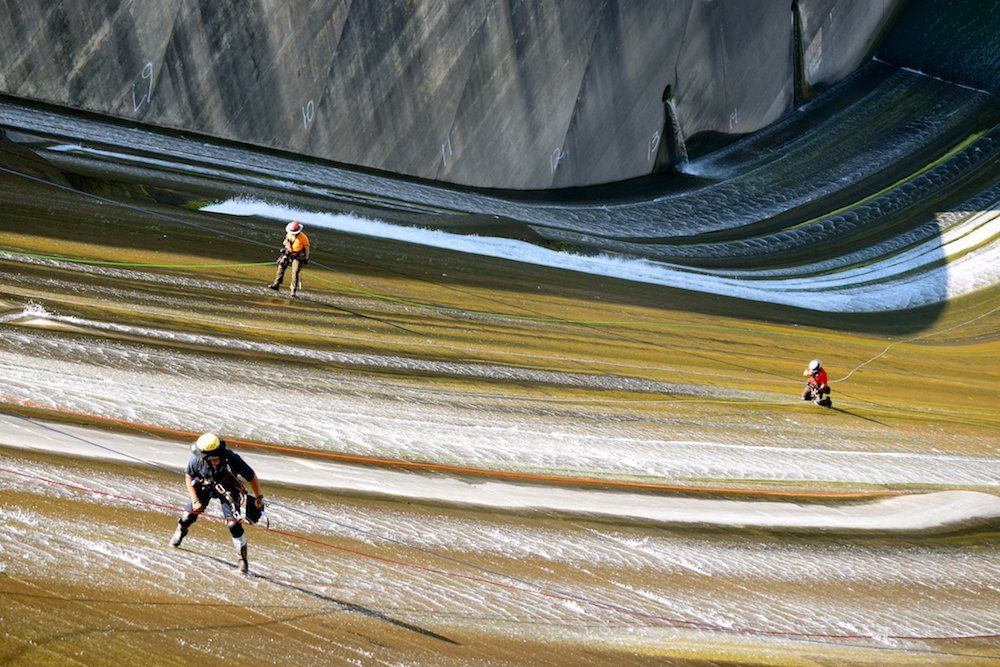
(652, 340)
(878, 196)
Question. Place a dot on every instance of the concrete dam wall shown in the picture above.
(490, 93)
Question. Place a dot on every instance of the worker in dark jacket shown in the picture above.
(215, 471)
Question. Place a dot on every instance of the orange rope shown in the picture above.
(476, 472)
(531, 589)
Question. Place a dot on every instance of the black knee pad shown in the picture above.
(235, 528)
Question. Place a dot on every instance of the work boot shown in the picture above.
(178, 537)
(293, 294)
(244, 566)
(274, 286)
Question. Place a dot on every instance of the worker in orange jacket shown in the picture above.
(294, 253)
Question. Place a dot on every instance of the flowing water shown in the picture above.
(655, 338)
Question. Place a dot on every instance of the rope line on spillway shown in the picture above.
(407, 302)
(534, 316)
(915, 338)
(468, 470)
(532, 589)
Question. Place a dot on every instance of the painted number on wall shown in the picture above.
(145, 84)
(557, 157)
(308, 113)
(652, 146)
(446, 151)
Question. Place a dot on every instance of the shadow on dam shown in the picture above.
(848, 213)
(901, 256)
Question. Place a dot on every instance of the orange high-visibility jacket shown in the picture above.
(297, 242)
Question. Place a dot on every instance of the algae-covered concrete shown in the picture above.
(494, 93)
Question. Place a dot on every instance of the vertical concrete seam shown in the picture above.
(572, 117)
(470, 46)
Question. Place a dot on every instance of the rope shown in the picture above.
(803, 495)
(533, 589)
(913, 338)
(96, 262)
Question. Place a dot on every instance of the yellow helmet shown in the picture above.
(208, 445)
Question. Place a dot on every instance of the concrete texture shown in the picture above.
(927, 513)
(835, 36)
(492, 93)
(959, 45)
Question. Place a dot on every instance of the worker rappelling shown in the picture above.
(215, 471)
(294, 252)
(817, 387)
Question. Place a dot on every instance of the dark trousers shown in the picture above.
(229, 509)
(812, 391)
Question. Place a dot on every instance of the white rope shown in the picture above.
(913, 338)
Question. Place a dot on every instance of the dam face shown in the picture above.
(520, 427)
(500, 94)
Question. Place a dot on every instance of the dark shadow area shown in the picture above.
(800, 83)
(854, 414)
(33, 205)
(958, 41)
(346, 606)
(760, 203)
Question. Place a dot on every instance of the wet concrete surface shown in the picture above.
(123, 306)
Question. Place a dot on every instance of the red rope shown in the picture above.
(537, 591)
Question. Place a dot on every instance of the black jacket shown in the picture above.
(232, 465)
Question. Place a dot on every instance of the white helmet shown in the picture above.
(293, 227)
(815, 365)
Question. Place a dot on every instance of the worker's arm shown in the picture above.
(195, 503)
(255, 485)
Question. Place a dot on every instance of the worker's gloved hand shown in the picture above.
(258, 501)
(303, 261)
(196, 506)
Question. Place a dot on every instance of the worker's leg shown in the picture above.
(189, 517)
(296, 283)
(280, 275)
